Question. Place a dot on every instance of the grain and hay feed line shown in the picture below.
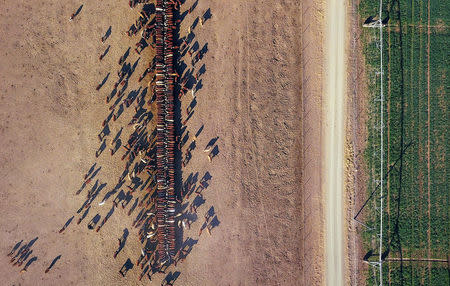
(165, 130)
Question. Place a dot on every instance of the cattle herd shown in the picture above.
(161, 31)
(165, 130)
(155, 152)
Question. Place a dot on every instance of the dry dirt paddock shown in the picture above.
(51, 114)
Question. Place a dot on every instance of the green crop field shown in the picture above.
(416, 80)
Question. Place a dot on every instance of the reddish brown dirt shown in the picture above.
(251, 100)
(50, 117)
(313, 218)
(356, 169)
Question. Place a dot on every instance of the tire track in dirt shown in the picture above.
(250, 117)
(252, 160)
(265, 121)
(313, 196)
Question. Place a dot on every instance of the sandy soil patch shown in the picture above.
(250, 99)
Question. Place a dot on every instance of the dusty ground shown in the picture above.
(334, 117)
(313, 61)
(251, 100)
(356, 140)
(51, 115)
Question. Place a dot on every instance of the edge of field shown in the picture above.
(356, 131)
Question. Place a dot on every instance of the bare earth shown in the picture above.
(356, 140)
(313, 218)
(251, 98)
(334, 132)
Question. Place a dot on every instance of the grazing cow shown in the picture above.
(15, 248)
(53, 263)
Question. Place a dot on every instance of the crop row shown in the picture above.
(413, 186)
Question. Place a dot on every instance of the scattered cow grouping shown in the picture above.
(20, 255)
(139, 177)
(21, 252)
(142, 144)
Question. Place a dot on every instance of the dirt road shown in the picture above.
(334, 132)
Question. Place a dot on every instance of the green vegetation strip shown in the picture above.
(408, 103)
